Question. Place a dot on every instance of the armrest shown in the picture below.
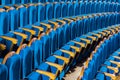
(93, 38)
(24, 36)
(98, 35)
(59, 67)
(112, 76)
(68, 52)
(86, 40)
(55, 23)
(2, 46)
(38, 27)
(113, 68)
(114, 62)
(77, 49)
(69, 20)
(79, 43)
(13, 40)
(102, 33)
(7, 7)
(29, 30)
(61, 21)
(47, 25)
(50, 75)
(62, 58)
(75, 19)
(112, 30)
(108, 32)
(78, 17)
(116, 57)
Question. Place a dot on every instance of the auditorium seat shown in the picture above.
(12, 61)
(102, 49)
(3, 72)
(49, 37)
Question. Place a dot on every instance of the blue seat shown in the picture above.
(58, 62)
(76, 8)
(82, 7)
(5, 2)
(35, 1)
(12, 61)
(56, 10)
(3, 72)
(15, 2)
(36, 48)
(37, 76)
(40, 12)
(70, 9)
(24, 1)
(45, 71)
(49, 11)
(51, 69)
(64, 9)
(26, 56)
(64, 56)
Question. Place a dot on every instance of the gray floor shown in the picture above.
(74, 73)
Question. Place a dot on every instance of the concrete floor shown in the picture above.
(73, 73)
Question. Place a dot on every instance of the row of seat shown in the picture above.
(7, 2)
(80, 47)
(110, 68)
(38, 50)
(34, 41)
(106, 47)
(17, 20)
(48, 11)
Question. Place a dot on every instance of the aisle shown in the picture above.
(74, 73)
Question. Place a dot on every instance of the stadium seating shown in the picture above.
(44, 39)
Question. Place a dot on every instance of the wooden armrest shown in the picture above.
(69, 20)
(108, 32)
(24, 36)
(77, 49)
(59, 67)
(114, 62)
(112, 76)
(86, 40)
(38, 27)
(55, 23)
(47, 25)
(116, 57)
(102, 33)
(93, 38)
(61, 21)
(50, 75)
(98, 35)
(13, 40)
(68, 52)
(113, 68)
(29, 30)
(62, 58)
(75, 19)
(79, 43)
